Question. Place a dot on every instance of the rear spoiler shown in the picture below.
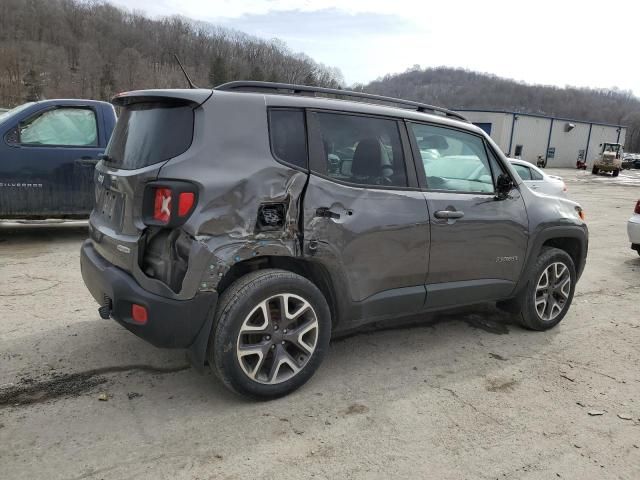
(196, 96)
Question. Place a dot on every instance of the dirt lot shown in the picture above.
(462, 395)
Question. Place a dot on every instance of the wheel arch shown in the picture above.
(571, 245)
(313, 271)
(572, 239)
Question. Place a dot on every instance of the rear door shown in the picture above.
(477, 242)
(48, 163)
(365, 219)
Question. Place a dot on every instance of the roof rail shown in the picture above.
(289, 88)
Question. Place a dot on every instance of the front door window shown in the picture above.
(69, 127)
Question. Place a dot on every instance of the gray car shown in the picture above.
(250, 223)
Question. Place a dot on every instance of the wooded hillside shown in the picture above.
(458, 88)
(91, 49)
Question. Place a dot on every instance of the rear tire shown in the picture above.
(549, 292)
(615, 173)
(594, 170)
(271, 332)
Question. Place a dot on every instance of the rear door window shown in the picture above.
(68, 127)
(523, 172)
(358, 149)
(535, 175)
(150, 132)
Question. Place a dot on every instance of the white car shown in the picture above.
(539, 181)
(633, 228)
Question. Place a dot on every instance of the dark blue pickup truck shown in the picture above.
(48, 151)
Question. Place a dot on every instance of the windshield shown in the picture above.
(150, 132)
(13, 111)
(610, 147)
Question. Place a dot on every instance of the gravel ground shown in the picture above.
(461, 395)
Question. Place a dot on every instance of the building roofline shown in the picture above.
(524, 114)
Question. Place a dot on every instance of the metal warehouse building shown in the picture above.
(561, 141)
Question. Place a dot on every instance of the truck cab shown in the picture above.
(48, 152)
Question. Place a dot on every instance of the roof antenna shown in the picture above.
(191, 84)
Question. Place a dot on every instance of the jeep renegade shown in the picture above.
(251, 222)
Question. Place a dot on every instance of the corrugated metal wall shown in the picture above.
(532, 132)
(500, 126)
(568, 144)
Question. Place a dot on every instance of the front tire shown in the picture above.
(549, 292)
(271, 332)
(615, 173)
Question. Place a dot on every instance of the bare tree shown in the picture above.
(90, 48)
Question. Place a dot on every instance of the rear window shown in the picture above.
(288, 136)
(150, 132)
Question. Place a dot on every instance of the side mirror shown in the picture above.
(504, 184)
(13, 137)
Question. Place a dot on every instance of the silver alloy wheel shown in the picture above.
(552, 291)
(277, 339)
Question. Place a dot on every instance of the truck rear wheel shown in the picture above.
(549, 292)
(594, 170)
(615, 173)
(271, 332)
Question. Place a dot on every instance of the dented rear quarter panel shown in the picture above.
(231, 163)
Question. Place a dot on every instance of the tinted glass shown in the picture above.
(288, 136)
(453, 160)
(523, 172)
(361, 150)
(535, 175)
(148, 133)
(61, 127)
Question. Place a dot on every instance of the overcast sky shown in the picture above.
(549, 42)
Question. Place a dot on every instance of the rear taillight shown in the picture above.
(162, 205)
(185, 203)
(169, 203)
(637, 209)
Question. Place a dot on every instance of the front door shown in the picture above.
(365, 218)
(48, 162)
(478, 243)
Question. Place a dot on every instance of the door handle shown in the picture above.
(326, 213)
(87, 161)
(448, 214)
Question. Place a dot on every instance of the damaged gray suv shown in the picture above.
(250, 223)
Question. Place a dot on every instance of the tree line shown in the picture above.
(92, 49)
(459, 88)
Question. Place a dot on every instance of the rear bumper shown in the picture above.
(171, 323)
